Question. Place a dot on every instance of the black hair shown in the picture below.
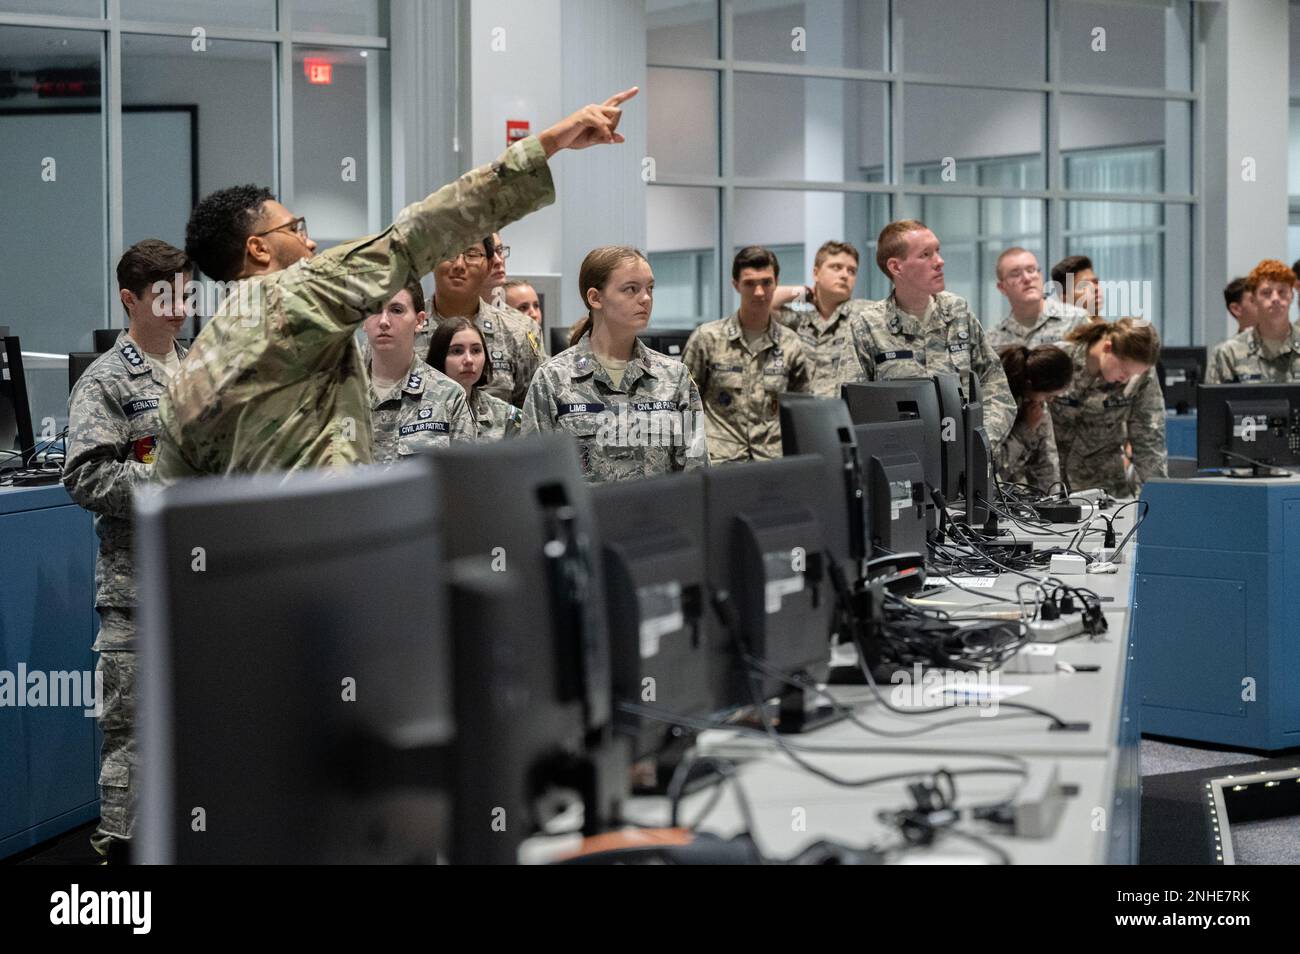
(440, 344)
(220, 225)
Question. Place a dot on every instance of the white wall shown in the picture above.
(519, 81)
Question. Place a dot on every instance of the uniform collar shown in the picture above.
(417, 377)
(134, 359)
(1271, 350)
(736, 333)
(585, 365)
(900, 322)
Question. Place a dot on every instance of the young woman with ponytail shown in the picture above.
(1036, 375)
(634, 412)
(1113, 398)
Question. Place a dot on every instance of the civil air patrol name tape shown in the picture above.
(437, 427)
(139, 406)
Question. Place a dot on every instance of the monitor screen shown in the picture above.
(1247, 427)
(877, 402)
(17, 439)
(295, 670)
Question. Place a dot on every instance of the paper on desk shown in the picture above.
(983, 692)
(971, 582)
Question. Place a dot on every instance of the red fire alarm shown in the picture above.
(516, 129)
(319, 72)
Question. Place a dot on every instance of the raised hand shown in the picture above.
(589, 126)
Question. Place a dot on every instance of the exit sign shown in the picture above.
(319, 72)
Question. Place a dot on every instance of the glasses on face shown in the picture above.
(298, 225)
(503, 251)
(472, 256)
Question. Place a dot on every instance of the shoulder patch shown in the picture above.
(132, 356)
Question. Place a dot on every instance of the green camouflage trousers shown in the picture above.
(117, 722)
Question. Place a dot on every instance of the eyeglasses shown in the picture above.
(299, 226)
(503, 251)
(472, 256)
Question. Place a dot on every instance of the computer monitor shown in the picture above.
(652, 543)
(296, 676)
(878, 402)
(768, 581)
(558, 338)
(1248, 430)
(530, 642)
(952, 435)
(811, 425)
(1180, 371)
(977, 478)
(895, 485)
(105, 337)
(78, 362)
(17, 439)
(671, 341)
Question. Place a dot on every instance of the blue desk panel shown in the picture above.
(1180, 434)
(48, 754)
(1216, 625)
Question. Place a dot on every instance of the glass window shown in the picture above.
(950, 134)
(61, 8)
(203, 13)
(230, 88)
(792, 127)
(360, 17)
(1140, 44)
(800, 221)
(1125, 144)
(1126, 242)
(841, 33)
(680, 28)
(54, 203)
(979, 39)
(339, 159)
(681, 243)
(682, 121)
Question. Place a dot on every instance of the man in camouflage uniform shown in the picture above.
(823, 324)
(413, 407)
(1034, 320)
(742, 364)
(1093, 417)
(649, 424)
(276, 381)
(1269, 352)
(112, 431)
(921, 330)
(512, 340)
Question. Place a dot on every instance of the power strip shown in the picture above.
(1056, 630)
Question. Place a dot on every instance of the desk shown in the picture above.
(48, 754)
(1099, 824)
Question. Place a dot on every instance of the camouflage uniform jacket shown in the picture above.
(1054, 322)
(1028, 455)
(513, 342)
(651, 423)
(1248, 357)
(1092, 419)
(740, 387)
(276, 381)
(427, 410)
(893, 344)
(829, 344)
(495, 418)
(112, 433)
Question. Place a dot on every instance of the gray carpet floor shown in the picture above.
(1273, 841)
